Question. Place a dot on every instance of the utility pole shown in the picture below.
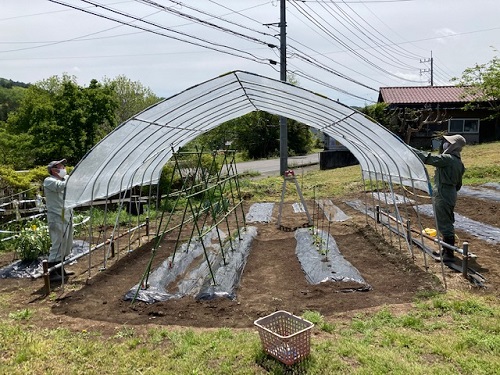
(431, 70)
(283, 122)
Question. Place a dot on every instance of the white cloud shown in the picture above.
(446, 33)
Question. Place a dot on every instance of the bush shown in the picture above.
(33, 241)
(27, 181)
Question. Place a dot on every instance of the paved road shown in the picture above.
(272, 166)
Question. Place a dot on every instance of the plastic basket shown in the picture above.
(285, 336)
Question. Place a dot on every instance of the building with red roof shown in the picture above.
(441, 110)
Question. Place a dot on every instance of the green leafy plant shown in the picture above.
(33, 240)
(24, 314)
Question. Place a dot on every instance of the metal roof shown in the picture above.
(134, 153)
(424, 95)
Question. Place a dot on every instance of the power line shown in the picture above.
(379, 40)
(344, 44)
(333, 61)
(210, 45)
(366, 36)
(302, 56)
(328, 85)
(199, 20)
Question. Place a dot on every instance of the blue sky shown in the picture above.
(345, 50)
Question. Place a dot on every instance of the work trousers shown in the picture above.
(444, 207)
(61, 237)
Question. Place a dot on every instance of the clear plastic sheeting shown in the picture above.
(190, 275)
(325, 263)
(33, 269)
(480, 230)
(260, 213)
(493, 185)
(227, 278)
(331, 212)
(134, 153)
(482, 192)
(22, 269)
(391, 199)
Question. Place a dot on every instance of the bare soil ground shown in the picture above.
(272, 279)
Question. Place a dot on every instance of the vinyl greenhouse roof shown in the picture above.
(134, 153)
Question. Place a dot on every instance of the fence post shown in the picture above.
(112, 247)
(465, 260)
(46, 276)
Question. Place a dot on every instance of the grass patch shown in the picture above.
(479, 175)
(313, 184)
(456, 332)
(319, 321)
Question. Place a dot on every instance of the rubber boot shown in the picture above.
(448, 254)
(59, 271)
(55, 275)
(68, 272)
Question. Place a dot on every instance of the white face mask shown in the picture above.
(62, 172)
(446, 145)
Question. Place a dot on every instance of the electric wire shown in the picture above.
(328, 85)
(345, 45)
(364, 36)
(232, 51)
(321, 66)
(359, 47)
(392, 30)
(381, 40)
(308, 59)
(302, 57)
(329, 58)
(78, 38)
(199, 20)
(223, 48)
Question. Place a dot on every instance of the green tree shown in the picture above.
(132, 97)
(482, 83)
(380, 113)
(14, 149)
(256, 134)
(101, 105)
(62, 118)
(10, 97)
(300, 138)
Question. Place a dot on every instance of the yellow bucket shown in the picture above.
(430, 232)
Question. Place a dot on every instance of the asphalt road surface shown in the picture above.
(270, 167)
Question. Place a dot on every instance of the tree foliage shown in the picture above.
(10, 97)
(57, 118)
(380, 113)
(482, 83)
(132, 96)
(257, 135)
(405, 122)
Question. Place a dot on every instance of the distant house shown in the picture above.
(443, 111)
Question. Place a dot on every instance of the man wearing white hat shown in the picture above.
(447, 182)
(60, 219)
